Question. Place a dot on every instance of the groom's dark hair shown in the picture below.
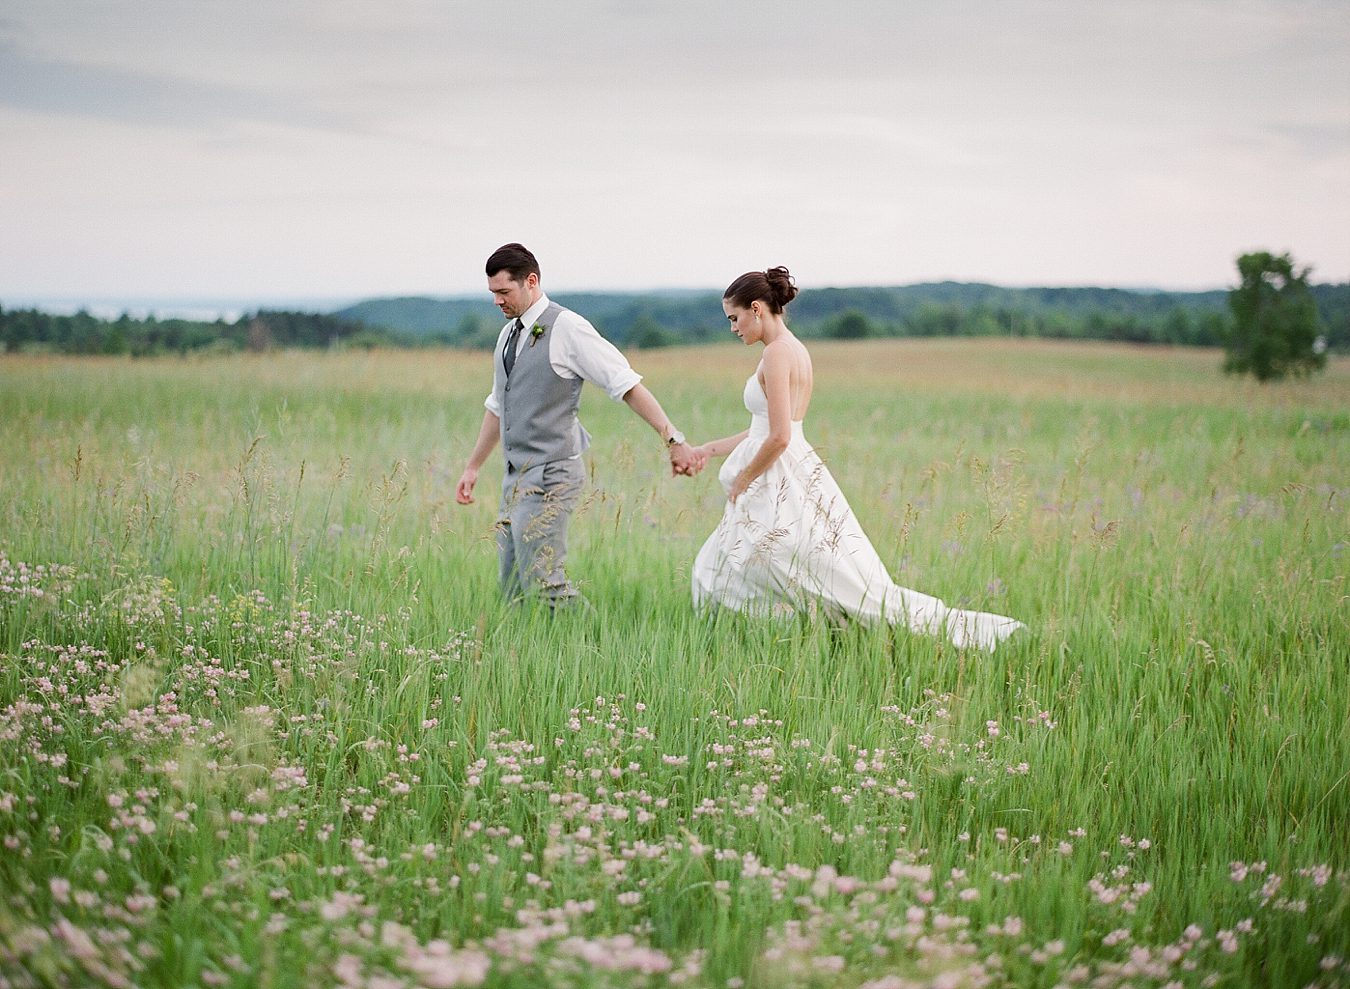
(516, 260)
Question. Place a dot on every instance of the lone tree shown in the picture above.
(1276, 329)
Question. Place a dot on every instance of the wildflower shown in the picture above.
(439, 967)
(340, 905)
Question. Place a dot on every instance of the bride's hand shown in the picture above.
(738, 487)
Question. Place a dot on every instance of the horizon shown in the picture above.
(208, 307)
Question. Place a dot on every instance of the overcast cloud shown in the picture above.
(275, 148)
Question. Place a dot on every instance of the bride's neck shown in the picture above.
(774, 328)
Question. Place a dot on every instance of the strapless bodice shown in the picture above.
(757, 404)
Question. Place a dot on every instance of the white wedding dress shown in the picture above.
(791, 543)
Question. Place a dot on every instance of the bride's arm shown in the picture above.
(720, 448)
(778, 390)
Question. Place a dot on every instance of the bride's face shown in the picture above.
(744, 322)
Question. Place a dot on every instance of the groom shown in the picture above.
(542, 357)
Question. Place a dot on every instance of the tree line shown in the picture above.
(668, 318)
(1203, 319)
(34, 331)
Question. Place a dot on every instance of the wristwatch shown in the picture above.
(675, 438)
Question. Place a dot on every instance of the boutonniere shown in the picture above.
(536, 331)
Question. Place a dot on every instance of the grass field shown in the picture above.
(264, 721)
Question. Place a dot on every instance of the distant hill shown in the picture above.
(656, 319)
(475, 321)
(930, 309)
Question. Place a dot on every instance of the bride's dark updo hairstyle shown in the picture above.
(774, 287)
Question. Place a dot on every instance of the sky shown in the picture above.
(284, 149)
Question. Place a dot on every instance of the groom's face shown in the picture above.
(513, 297)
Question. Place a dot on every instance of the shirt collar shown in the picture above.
(529, 316)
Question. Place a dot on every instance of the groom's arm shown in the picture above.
(488, 435)
(578, 349)
(683, 460)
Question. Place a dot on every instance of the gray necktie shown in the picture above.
(509, 354)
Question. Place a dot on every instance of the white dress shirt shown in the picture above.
(575, 350)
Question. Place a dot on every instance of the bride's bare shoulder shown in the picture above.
(777, 354)
(791, 351)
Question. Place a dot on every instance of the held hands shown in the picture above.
(687, 460)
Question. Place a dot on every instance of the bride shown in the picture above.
(788, 540)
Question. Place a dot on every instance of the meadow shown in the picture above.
(264, 720)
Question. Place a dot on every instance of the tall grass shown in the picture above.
(273, 726)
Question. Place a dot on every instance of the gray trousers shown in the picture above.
(537, 506)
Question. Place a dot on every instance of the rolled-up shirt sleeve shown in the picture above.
(581, 350)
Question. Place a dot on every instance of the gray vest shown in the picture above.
(539, 408)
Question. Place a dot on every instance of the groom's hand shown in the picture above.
(685, 460)
(464, 489)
